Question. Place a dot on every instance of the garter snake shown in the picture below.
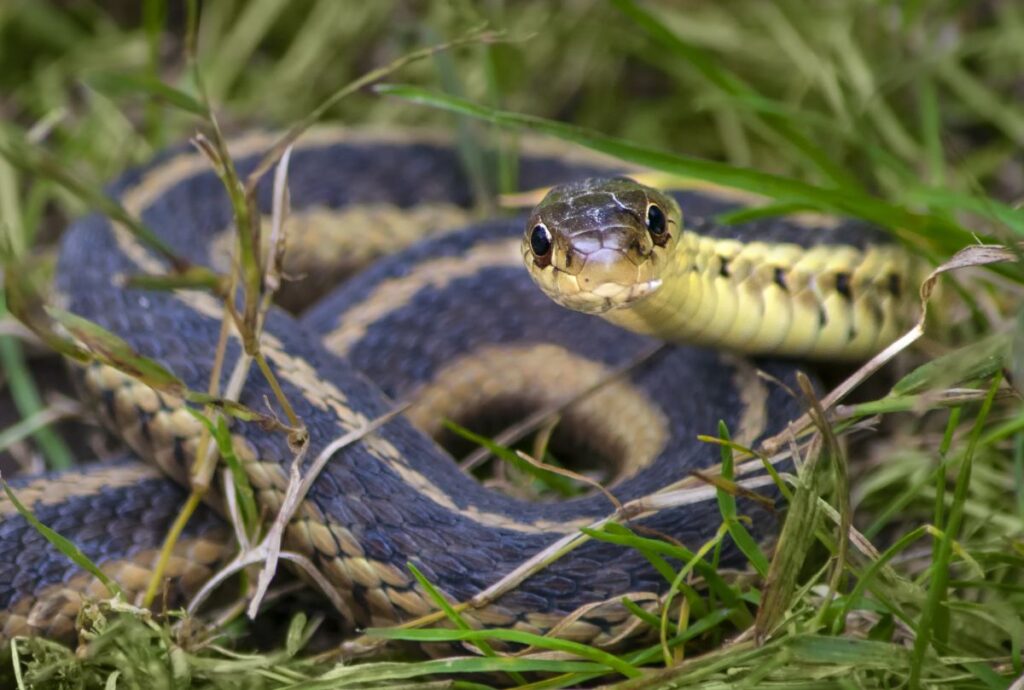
(620, 249)
(454, 325)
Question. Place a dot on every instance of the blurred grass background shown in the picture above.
(920, 102)
(872, 89)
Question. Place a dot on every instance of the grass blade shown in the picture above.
(62, 544)
(940, 566)
(727, 507)
(442, 603)
(551, 480)
(119, 84)
(519, 637)
(777, 187)
(735, 88)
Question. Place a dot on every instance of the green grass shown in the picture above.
(907, 114)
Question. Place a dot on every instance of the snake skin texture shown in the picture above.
(453, 323)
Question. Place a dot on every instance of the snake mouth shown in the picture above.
(604, 297)
(603, 281)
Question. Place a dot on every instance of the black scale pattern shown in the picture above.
(393, 521)
(112, 524)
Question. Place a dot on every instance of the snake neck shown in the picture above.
(827, 301)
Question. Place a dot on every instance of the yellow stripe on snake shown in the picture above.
(454, 325)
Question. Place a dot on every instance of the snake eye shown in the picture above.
(655, 220)
(540, 240)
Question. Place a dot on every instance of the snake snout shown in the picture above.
(615, 259)
(607, 266)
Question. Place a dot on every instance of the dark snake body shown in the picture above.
(364, 520)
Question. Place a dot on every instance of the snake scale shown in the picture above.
(454, 325)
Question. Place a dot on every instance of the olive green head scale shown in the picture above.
(601, 243)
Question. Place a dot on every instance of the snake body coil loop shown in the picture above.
(453, 325)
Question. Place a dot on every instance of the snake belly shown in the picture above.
(453, 324)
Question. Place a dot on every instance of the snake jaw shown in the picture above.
(611, 296)
(569, 291)
(641, 291)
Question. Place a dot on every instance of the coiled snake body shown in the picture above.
(454, 325)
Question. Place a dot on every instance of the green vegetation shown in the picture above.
(908, 114)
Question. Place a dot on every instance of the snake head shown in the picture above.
(601, 243)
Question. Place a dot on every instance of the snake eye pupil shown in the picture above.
(655, 220)
(540, 240)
